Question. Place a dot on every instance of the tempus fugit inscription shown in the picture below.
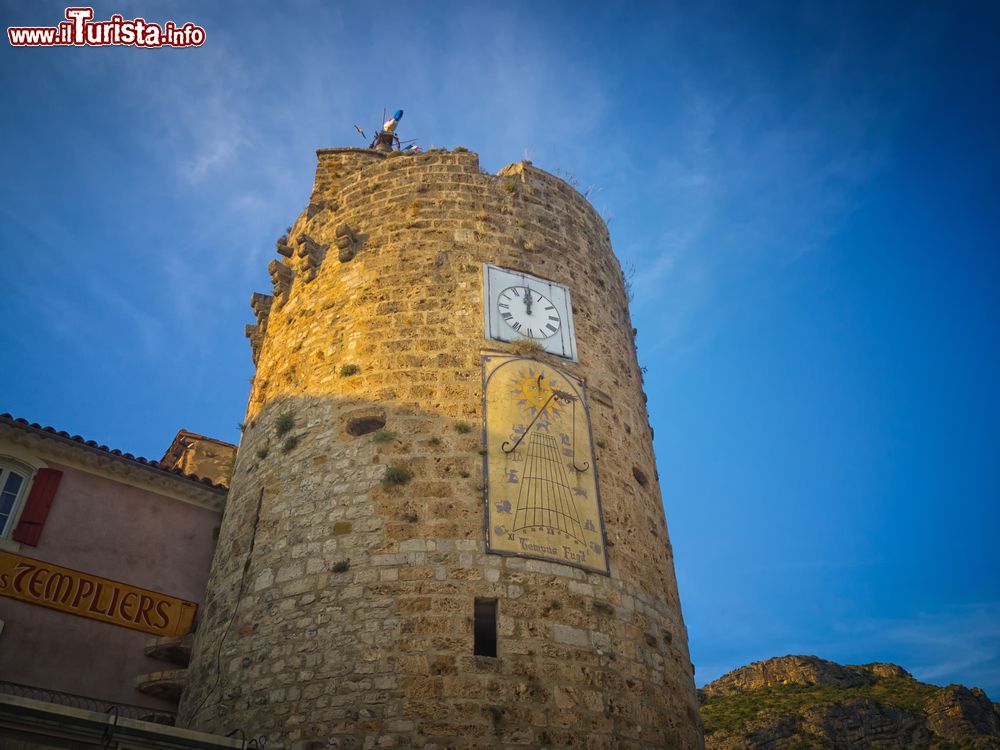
(542, 496)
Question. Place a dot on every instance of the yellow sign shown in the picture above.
(91, 596)
(541, 483)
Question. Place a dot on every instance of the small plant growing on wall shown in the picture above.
(463, 428)
(396, 475)
(628, 276)
(350, 369)
(341, 566)
(526, 347)
(383, 436)
(284, 423)
(290, 443)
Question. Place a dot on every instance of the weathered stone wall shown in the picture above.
(339, 613)
(200, 456)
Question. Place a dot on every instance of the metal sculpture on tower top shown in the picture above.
(386, 139)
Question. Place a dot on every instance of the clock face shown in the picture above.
(528, 312)
(517, 305)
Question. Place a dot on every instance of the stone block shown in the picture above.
(570, 636)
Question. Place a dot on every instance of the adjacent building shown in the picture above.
(104, 558)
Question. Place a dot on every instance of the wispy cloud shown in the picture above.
(960, 644)
(752, 180)
(236, 136)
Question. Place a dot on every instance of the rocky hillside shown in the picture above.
(794, 702)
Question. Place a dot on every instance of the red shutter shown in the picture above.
(36, 508)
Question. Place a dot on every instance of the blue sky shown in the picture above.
(808, 193)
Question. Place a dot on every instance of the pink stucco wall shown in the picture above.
(108, 529)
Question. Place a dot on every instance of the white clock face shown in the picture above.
(528, 312)
(517, 305)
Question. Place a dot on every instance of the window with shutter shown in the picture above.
(13, 481)
(36, 507)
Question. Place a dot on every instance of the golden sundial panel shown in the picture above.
(542, 496)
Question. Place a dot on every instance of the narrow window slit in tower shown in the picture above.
(485, 628)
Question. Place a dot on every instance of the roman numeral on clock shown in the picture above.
(514, 301)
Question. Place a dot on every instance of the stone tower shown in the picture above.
(444, 528)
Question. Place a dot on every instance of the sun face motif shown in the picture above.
(533, 390)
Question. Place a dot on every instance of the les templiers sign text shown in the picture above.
(90, 596)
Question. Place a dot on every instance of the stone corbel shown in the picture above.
(349, 242)
(282, 246)
(256, 336)
(312, 253)
(261, 305)
(282, 277)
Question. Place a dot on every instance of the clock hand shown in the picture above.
(527, 299)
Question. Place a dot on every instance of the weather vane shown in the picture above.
(385, 139)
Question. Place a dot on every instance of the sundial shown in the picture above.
(542, 497)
